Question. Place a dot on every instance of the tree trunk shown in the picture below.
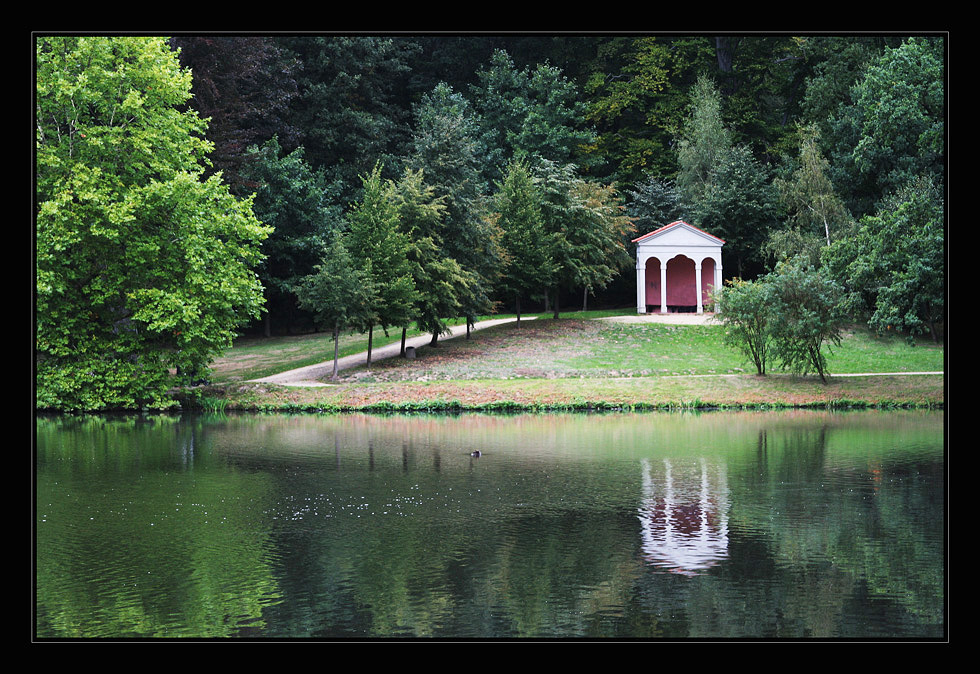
(404, 330)
(725, 48)
(557, 296)
(435, 339)
(468, 324)
(336, 347)
(585, 298)
(725, 52)
(370, 341)
(518, 311)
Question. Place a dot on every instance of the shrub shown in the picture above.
(789, 314)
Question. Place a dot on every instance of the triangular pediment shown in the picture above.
(678, 233)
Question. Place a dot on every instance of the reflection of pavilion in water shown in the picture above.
(684, 517)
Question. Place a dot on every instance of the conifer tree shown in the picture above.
(529, 266)
(446, 148)
(379, 246)
(439, 280)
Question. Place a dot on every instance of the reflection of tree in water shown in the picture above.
(684, 517)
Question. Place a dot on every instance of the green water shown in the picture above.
(775, 525)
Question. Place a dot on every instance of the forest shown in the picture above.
(190, 188)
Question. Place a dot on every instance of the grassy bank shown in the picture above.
(577, 363)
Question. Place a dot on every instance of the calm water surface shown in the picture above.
(658, 525)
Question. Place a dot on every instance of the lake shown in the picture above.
(712, 525)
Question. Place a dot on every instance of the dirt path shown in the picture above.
(312, 375)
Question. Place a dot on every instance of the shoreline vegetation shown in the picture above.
(574, 363)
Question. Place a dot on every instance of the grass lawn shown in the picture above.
(257, 357)
(574, 362)
(659, 349)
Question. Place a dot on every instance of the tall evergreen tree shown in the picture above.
(338, 293)
(439, 280)
(529, 266)
(586, 228)
(655, 202)
(528, 114)
(379, 246)
(739, 205)
(352, 105)
(446, 149)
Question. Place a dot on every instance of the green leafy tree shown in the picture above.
(891, 129)
(380, 247)
(903, 115)
(809, 195)
(586, 227)
(529, 266)
(143, 268)
(636, 103)
(805, 315)
(747, 319)
(837, 63)
(813, 206)
(893, 268)
(705, 142)
(339, 293)
(789, 315)
(760, 78)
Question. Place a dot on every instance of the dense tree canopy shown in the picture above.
(244, 87)
(297, 203)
